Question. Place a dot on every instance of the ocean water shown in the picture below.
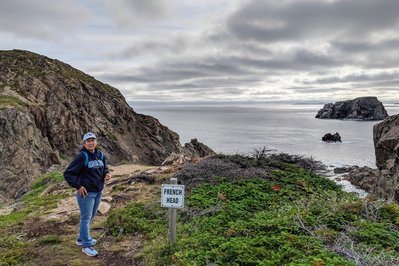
(291, 128)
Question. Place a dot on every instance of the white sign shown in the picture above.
(172, 196)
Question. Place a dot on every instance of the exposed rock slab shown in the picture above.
(104, 207)
(362, 108)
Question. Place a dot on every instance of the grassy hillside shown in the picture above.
(240, 210)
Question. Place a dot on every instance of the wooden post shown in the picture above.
(172, 219)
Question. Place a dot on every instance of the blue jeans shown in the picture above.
(88, 208)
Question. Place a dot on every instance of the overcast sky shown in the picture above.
(217, 50)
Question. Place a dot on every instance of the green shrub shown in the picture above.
(137, 217)
(378, 236)
(255, 225)
(390, 213)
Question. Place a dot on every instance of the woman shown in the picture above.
(87, 173)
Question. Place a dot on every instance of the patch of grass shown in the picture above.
(24, 63)
(33, 202)
(50, 240)
(156, 252)
(41, 183)
(111, 90)
(14, 218)
(120, 187)
(137, 217)
(9, 101)
(70, 72)
(13, 251)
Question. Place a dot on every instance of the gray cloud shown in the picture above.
(324, 44)
(135, 12)
(313, 90)
(263, 48)
(361, 47)
(267, 20)
(180, 70)
(155, 46)
(384, 76)
(42, 19)
(221, 68)
(391, 84)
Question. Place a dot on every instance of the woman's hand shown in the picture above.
(107, 176)
(82, 191)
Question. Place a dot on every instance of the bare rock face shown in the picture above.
(386, 144)
(45, 108)
(197, 149)
(363, 108)
(24, 152)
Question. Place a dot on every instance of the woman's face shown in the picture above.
(90, 144)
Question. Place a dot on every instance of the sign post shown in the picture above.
(172, 197)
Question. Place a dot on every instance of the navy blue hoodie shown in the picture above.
(91, 176)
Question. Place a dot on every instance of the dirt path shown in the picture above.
(126, 169)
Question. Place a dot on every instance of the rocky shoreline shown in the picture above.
(361, 180)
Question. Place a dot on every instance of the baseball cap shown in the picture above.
(89, 135)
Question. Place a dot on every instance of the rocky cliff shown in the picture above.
(386, 144)
(363, 108)
(45, 108)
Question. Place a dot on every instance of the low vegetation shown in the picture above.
(261, 209)
(243, 210)
(14, 249)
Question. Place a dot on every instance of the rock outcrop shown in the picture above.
(45, 108)
(331, 137)
(363, 108)
(363, 177)
(191, 150)
(197, 149)
(177, 159)
(386, 144)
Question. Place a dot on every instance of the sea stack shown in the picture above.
(362, 108)
(331, 137)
